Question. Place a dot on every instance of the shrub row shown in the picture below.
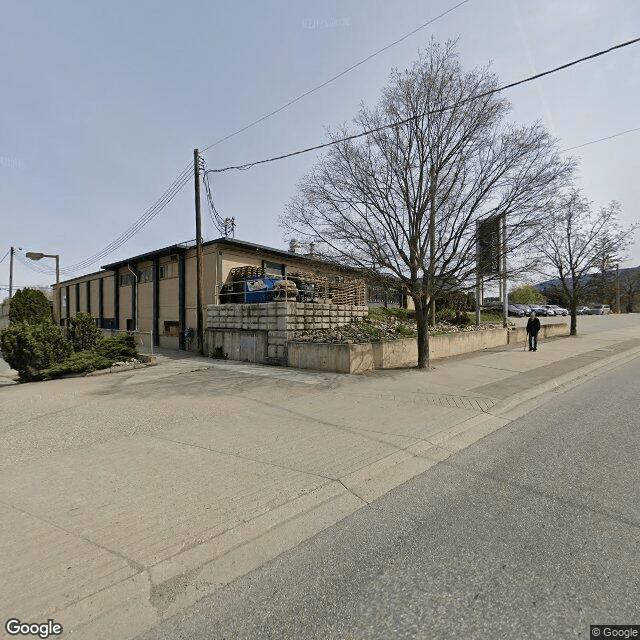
(38, 349)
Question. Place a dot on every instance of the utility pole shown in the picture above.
(11, 273)
(199, 293)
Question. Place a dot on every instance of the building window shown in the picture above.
(145, 275)
(169, 270)
(171, 328)
(126, 279)
(273, 268)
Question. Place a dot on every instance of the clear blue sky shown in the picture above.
(104, 102)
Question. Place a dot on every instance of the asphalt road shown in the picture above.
(533, 532)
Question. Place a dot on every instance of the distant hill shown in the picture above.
(543, 286)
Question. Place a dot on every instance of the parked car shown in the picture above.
(515, 310)
(526, 309)
(600, 309)
(539, 309)
(583, 311)
(559, 311)
(548, 309)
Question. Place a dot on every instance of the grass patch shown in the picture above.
(406, 332)
(485, 316)
(373, 332)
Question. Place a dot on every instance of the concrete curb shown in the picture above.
(522, 403)
(149, 361)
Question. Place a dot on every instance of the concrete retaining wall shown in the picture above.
(519, 334)
(340, 358)
(263, 332)
(227, 324)
(358, 358)
(237, 345)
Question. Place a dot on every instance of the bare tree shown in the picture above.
(577, 241)
(405, 199)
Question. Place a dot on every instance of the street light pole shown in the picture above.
(11, 273)
(36, 255)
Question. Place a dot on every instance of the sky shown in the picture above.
(103, 103)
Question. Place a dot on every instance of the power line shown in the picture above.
(171, 192)
(615, 135)
(330, 80)
(178, 184)
(5, 255)
(249, 165)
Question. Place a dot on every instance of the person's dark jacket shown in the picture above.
(533, 326)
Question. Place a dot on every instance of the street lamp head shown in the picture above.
(34, 255)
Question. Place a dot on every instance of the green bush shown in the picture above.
(119, 347)
(29, 305)
(83, 333)
(461, 318)
(31, 347)
(79, 362)
(373, 332)
(445, 315)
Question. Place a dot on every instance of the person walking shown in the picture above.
(533, 327)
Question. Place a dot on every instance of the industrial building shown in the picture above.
(155, 293)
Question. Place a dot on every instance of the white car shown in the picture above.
(559, 311)
(600, 309)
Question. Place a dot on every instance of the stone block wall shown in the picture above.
(278, 320)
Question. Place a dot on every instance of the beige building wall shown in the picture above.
(169, 311)
(108, 292)
(71, 302)
(125, 299)
(82, 287)
(95, 297)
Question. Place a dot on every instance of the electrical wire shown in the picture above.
(5, 255)
(615, 135)
(225, 226)
(330, 80)
(484, 94)
(170, 193)
(183, 178)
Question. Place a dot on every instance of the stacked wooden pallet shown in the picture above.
(247, 271)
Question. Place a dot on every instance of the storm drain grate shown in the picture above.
(458, 402)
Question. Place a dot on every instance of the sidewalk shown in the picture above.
(113, 529)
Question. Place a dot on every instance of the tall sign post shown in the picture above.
(491, 258)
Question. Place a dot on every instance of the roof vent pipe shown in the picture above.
(294, 246)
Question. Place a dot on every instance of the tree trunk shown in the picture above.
(574, 317)
(422, 318)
